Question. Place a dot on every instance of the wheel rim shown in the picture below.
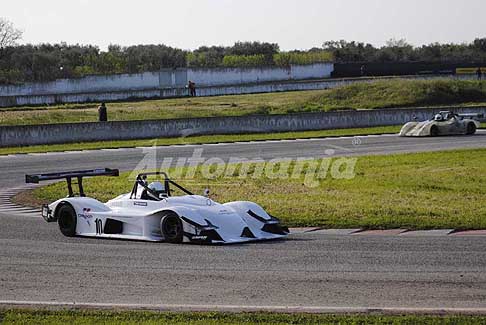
(172, 227)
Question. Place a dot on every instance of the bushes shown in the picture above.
(235, 61)
(281, 59)
(288, 58)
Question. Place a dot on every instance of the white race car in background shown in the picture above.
(444, 123)
(150, 212)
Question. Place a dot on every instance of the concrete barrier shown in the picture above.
(136, 94)
(152, 84)
(128, 130)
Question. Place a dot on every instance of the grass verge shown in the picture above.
(127, 318)
(200, 140)
(439, 190)
(380, 94)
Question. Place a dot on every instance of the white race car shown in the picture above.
(444, 123)
(150, 212)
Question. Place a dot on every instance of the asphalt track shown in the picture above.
(306, 272)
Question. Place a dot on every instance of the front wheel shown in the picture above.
(171, 228)
(67, 220)
(434, 131)
(471, 129)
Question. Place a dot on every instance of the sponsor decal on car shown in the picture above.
(140, 204)
(199, 237)
(85, 215)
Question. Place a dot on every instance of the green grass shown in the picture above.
(200, 140)
(127, 318)
(401, 93)
(391, 93)
(415, 191)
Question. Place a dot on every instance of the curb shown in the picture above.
(54, 305)
(388, 232)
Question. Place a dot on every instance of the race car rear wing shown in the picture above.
(68, 176)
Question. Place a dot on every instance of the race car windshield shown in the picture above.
(155, 190)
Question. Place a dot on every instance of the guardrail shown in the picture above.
(150, 129)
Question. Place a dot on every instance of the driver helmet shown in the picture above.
(438, 117)
(156, 188)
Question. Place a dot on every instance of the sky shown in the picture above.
(294, 24)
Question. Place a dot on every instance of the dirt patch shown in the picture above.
(27, 198)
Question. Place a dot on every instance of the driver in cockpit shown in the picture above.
(157, 192)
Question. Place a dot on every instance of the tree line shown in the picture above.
(45, 62)
(400, 51)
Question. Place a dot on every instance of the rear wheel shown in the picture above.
(171, 228)
(471, 129)
(67, 220)
(434, 131)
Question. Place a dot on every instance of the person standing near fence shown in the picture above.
(479, 73)
(192, 88)
(363, 70)
(102, 113)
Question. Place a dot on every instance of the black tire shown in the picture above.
(67, 220)
(471, 129)
(434, 131)
(171, 228)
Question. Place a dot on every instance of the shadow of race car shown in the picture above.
(153, 212)
(444, 123)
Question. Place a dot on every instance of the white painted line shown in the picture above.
(269, 141)
(71, 152)
(248, 308)
(21, 215)
(305, 140)
(427, 233)
(9, 205)
(33, 214)
(337, 232)
(227, 143)
(17, 209)
(113, 149)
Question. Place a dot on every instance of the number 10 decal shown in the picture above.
(99, 226)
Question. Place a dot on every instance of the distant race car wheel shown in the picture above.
(471, 129)
(67, 220)
(171, 228)
(434, 131)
